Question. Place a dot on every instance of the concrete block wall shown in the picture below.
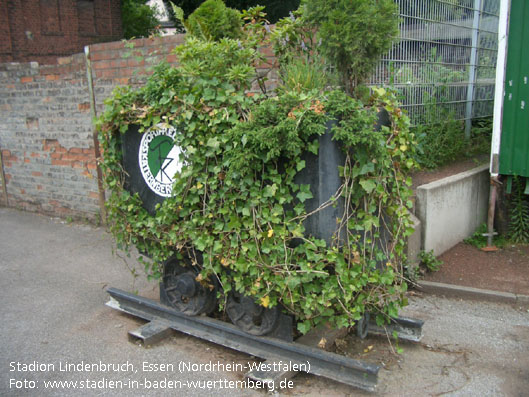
(46, 133)
(452, 208)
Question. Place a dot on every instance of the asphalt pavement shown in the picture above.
(59, 338)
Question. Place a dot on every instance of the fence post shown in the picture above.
(93, 114)
(473, 66)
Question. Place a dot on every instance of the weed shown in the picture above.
(519, 216)
(479, 238)
(429, 261)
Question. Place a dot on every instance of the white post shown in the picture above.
(500, 87)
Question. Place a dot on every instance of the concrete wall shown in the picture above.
(451, 209)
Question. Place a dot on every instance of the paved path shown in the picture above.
(52, 296)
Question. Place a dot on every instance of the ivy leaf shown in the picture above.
(213, 143)
(314, 146)
(304, 193)
(265, 301)
(366, 168)
(270, 190)
(368, 185)
(217, 246)
(304, 327)
(300, 165)
(200, 243)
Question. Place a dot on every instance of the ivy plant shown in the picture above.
(236, 200)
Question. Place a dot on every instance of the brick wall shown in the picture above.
(42, 30)
(46, 138)
(46, 134)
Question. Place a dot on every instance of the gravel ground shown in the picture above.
(52, 294)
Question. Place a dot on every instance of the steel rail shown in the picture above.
(318, 362)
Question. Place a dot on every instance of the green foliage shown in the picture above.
(440, 142)
(275, 9)
(479, 238)
(443, 140)
(236, 200)
(412, 273)
(519, 213)
(433, 69)
(354, 34)
(303, 75)
(138, 19)
(214, 21)
(429, 261)
(480, 136)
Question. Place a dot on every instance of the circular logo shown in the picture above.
(159, 159)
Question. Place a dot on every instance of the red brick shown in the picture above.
(109, 73)
(64, 60)
(93, 195)
(134, 63)
(52, 77)
(61, 163)
(73, 157)
(118, 63)
(35, 155)
(26, 160)
(102, 65)
(172, 58)
(84, 107)
(36, 173)
(77, 164)
(116, 45)
(27, 79)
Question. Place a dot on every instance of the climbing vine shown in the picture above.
(237, 209)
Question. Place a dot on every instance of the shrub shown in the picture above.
(214, 21)
(138, 19)
(440, 142)
(353, 33)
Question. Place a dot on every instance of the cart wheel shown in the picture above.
(249, 316)
(183, 292)
(362, 326)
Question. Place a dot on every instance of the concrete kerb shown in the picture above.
(459, 291)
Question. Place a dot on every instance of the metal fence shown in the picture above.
(444, 64)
